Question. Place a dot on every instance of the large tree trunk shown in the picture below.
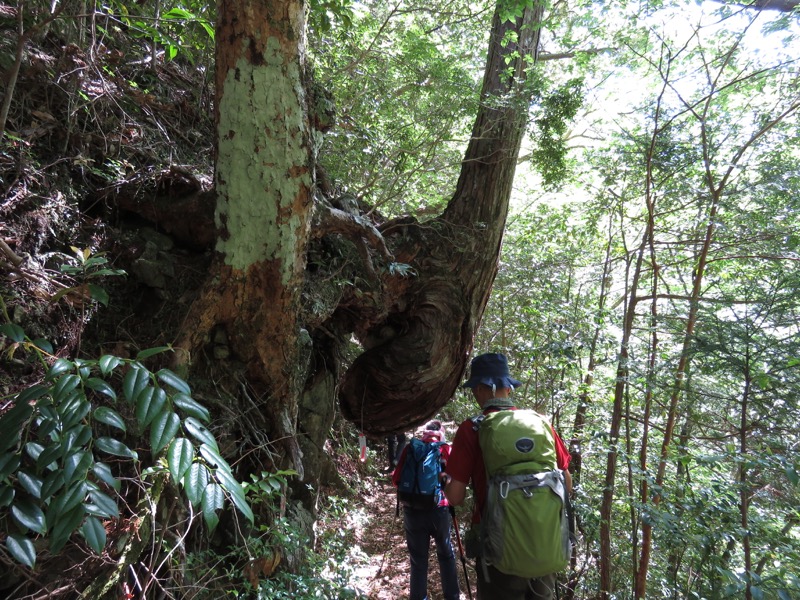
(264, 179)
(417, 331)
(416, 356)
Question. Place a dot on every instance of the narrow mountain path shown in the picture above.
(379, 532)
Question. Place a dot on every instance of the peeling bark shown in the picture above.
(264, 192)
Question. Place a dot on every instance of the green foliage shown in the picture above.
(90, 268)
(184, 30)
(554, 115)
(269, 555)
(541, 313)
(510, 10)
(62, 439)
(404, 84)
(323, 15)
(268, 487)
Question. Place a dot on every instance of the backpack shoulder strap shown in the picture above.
(476, 421)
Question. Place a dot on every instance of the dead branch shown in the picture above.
(327, 219)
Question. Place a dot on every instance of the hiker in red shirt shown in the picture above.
(423, 524)
(491, 385)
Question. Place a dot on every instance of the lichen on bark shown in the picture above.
(260, 182)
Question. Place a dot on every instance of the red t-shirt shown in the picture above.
(445, 450)
(466, 461)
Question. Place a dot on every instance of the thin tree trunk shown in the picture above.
(640, 575)
(675, 557)
(715, 190)
(585, 399)
(620, 387)
(742, 477)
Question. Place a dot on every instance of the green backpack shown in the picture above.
(524, 526)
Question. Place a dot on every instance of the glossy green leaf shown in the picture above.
(52, 483)
(110, 417)
(22, 549)
(163, 431)
(94, 533)
(134, 382)
(64, 527)
(59, 367)
(30, 483)
(76, 438)
(76, 466)
(47, 458)
(32, 393)
(149, 403)
(191, 407)
(11, 423)
(43, 345)
(236, 491)
(171, 379)
(213, 457)
(199, 432)
(104, 474)
(148, 352)
(84, 368)
(9, 462)
(179, 457)
(49, 426)
(213, 500)
(101, 387)
(47, 411)
(98, 293)
(108, 362)
(33, 449)
(195, 482)
(29, 515)
(63, 386)
(13, 332)
(114, 447)
(7, 494)
(102, 505)
(83, 434)
(79, 409)
(68, 499)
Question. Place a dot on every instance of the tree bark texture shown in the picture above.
(263, 179)
(416, 356)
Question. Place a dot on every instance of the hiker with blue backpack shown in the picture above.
(394, 448)
(426, 510)
(518, 467)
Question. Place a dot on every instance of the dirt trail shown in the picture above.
(386, 575)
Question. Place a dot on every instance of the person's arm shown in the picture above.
(460, 458)
(568, 481)
(455, 491)
(399, 468)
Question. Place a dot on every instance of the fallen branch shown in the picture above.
(16, 259)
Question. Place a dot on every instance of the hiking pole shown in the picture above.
(460, 549)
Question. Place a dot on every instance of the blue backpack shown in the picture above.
(419, 485)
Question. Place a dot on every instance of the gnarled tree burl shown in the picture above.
(272, 214)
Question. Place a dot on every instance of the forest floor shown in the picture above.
(384, 574)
